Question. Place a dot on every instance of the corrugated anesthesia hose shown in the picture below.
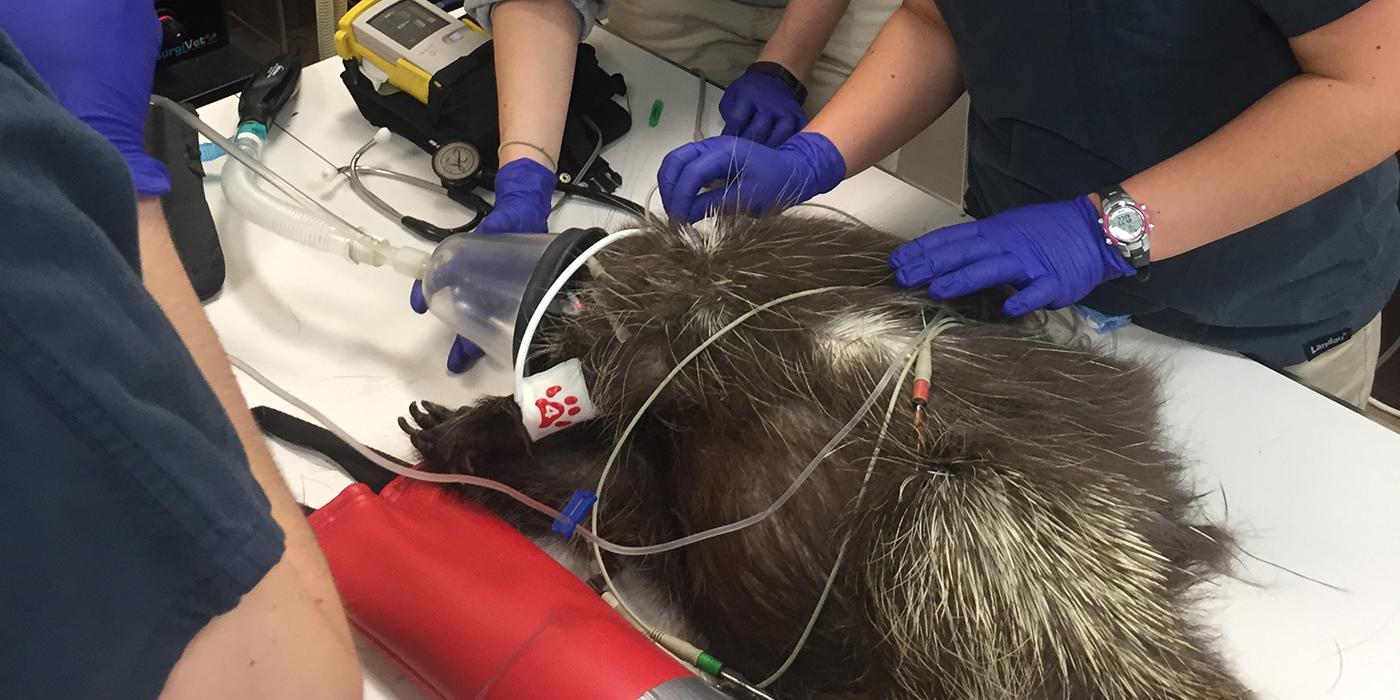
(274, 213)
(303, 219)
(326, 16)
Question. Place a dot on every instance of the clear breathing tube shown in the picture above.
(274, 213)
(303, 220)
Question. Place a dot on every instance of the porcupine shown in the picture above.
(1040, 543)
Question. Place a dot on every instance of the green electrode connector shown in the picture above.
(709, 664)
(688, 653)
(655, 117)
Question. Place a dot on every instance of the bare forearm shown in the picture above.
(536, 47)
(1303, 139)
(802, 33)
(166, 282)
(908, 78)
(1309, 135)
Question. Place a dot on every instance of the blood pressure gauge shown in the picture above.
(402, 43)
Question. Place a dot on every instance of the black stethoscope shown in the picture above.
(458, 167)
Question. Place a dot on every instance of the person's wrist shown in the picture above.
(827, 165)
(127, 136)
(525, 175)
(148, 175)
(513, 151)
(779, 72)
(523, 191)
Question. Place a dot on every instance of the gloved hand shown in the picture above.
(758, 179)
(523, 190)
(98, 57)
(463, 351)
(761, 108)
(1053, 253)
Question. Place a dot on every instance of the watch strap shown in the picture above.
(1138, 256)
(778, 71)
(1111, 193)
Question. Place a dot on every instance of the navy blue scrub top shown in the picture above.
(128, 516)
(1071, 96)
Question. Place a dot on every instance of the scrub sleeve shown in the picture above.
(128, 516)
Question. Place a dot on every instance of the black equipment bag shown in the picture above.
(462, 107)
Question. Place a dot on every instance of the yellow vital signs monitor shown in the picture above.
(402, 43)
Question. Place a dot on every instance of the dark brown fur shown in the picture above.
(1041, 545)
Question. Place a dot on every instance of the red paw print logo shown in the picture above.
(554, 413)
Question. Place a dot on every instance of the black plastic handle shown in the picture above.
(269, 89)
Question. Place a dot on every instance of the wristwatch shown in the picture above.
(778, 71)
(1127, 227)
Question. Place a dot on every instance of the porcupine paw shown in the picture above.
(453, 440)
(429, 423)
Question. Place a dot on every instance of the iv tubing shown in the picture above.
(380, 460)
(931, 331)
(939, 324)
(756, 518)
(806, 473)
(841, 552)
(585, 533)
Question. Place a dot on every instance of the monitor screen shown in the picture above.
(407, 23)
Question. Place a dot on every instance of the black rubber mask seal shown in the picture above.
(565, 248)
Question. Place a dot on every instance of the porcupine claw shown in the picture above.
(426, 417)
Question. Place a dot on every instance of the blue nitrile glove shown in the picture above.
(758, 179)
(1053, 253)
(523, 191)
(99, 59)
(463, 351)
(761, 108)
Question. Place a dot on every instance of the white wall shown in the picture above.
(936, 159)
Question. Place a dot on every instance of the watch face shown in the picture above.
(1126, 224)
